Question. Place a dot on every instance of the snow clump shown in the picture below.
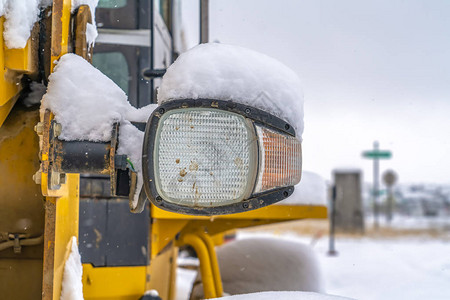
(87, 103)
(226, 72)
(266, 264)
(283, 296)
(72, 286)
(20, 18)
(312, 190)
(37, 92)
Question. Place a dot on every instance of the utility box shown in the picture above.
(349, 209)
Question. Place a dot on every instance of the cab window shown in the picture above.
(115, 66)
(112, 3)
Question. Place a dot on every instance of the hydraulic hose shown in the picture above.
(23, 242)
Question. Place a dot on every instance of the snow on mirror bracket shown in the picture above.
(214, 157)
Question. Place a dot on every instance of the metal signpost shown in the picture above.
(389, 178)
(332, 250)
(376, 154)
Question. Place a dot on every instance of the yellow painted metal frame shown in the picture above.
(62, 206)
(199, 231)
(10, 82)
(166, 225)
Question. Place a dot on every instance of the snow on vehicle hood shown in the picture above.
(283, 296)
(312, 190)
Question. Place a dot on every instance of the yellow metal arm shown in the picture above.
(214, 262)
(212, 283)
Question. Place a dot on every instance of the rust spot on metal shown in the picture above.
(57, 27)
(98, 239)
(183, 172)
(215, 104)
(49, 252)
(82, 18)
(45, 145)
(177, 160)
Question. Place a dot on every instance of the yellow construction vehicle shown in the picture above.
(43, 203)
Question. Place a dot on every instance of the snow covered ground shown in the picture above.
(400, 267)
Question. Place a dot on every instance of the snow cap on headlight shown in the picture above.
(226, 72)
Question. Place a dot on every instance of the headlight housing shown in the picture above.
(212, 157)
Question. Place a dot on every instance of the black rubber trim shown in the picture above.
(256, 200)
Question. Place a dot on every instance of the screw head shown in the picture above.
(245, 205)
(247, 111)
(57, 128)
(39, 128)
(37, 177)
(62, 178)
(161, 110)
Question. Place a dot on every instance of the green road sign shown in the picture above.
(379, 193)
(377, 154)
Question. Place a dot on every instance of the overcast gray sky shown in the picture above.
(371, 70)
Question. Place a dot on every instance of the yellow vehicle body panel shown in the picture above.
(113, 282)
(21, 60)
(162, 273)
(61, 224)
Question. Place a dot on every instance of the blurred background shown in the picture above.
(371, 71)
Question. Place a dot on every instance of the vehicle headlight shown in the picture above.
(209, 157)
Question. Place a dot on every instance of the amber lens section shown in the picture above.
(280, 160)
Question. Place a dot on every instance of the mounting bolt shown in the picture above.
(57, 128)
(55, 179)
(39, 128)
(37, 177)
(248, 111)
(62, 178)
(245, 205)
(161, 110)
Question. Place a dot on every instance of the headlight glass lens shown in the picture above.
(280, 160)
(204, 158)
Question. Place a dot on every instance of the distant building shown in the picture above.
(349, 208)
